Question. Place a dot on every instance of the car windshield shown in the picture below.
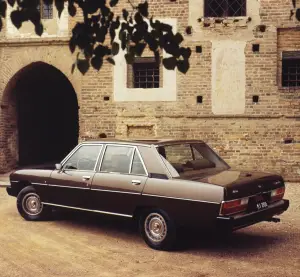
(190, 158)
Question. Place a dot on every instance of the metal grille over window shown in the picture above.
(47, 9)
(145, 73)
(225, 8)
(291, 69)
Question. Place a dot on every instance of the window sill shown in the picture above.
(235, 21)
(225, 17)
(288, 88)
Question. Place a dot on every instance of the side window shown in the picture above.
(197, 154)
(178, 154)
(117, 159)
(84, 158)
(137, 165)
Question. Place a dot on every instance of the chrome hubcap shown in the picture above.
(32, 204)
(155, 227)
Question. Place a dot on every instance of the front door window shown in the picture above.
(85, 158)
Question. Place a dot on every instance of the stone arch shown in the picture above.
(35, 95)
(16, 58)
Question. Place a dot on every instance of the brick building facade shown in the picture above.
(241, 94)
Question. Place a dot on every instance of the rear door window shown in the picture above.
(117, 159)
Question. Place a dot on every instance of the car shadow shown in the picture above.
(96, 222)
(244, 242)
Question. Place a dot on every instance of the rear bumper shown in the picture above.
(240, 221)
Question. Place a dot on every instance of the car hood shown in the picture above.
(33, 173)
(50, 166)
(239, 183)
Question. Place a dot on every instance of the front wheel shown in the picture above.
(157, 230)
(30, 205)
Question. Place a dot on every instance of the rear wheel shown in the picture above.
(157, 229)
(30, 205)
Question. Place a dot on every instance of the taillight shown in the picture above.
(234, 206)
(277, 194)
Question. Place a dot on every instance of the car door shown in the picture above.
(69, 185)
(118, 185)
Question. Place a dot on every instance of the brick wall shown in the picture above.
(252, 140)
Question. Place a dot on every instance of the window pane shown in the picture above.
(197, 154)
(290, 72)
(146, 73)
(137, 166)
(84, 158)
(224, 8)
(178, 154)
(236, 7)
(117, 159)
(181, 160)
(46, 10)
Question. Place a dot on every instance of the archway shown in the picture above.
(42, 102)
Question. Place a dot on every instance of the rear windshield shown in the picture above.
(187, 158)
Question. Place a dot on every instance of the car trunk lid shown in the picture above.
(240, 184)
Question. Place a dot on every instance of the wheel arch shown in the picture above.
(17, 187)
(140, 210)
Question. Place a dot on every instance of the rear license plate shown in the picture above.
(261, 205)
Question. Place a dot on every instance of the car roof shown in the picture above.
(144, 141)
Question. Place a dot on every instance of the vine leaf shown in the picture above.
(170, 63)
(115, 48)
(298, 14)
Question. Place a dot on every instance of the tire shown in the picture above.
(30, 206)
(157, 229)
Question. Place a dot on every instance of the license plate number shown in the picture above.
(262, 205)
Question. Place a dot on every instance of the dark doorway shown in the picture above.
(47, 114)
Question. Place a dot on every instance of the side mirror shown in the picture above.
(58, 167)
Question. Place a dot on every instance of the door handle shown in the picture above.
(86, 178)
(136, 182)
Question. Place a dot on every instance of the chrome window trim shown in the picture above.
(135, 148)
(69, 155)
(162, 162)
(177, 198)
(102, 157)
(142, 161)
(88, 210)
(127, 143)
(100, 151)
(131, 162)
(63, 162)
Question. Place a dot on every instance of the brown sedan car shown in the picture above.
(163, 184)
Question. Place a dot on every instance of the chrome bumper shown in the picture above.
(240, 221)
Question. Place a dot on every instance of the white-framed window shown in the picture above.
(164, 83)
(53, 25)
(144, 73)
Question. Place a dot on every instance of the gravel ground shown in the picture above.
(78, 244)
